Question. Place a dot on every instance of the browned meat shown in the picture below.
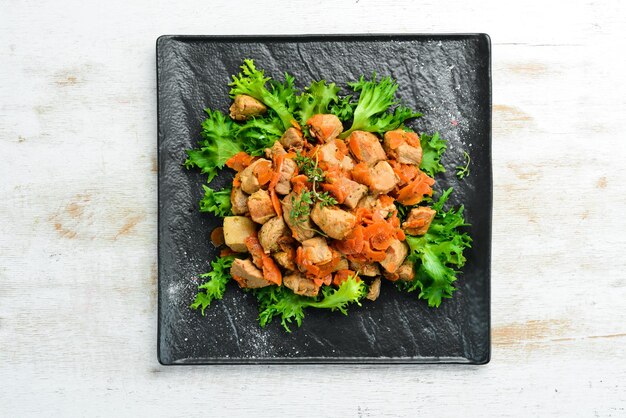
(405, 272)
(383, 178)
(418, 221)
(244, 107)
(276, 150)
(271, 232)
(325, 127)
(403, 146)
(260, 207)
(285, 260)
(329, 152)
(374, 290)
(356, 192)
(317, 251)
(246, 274)
(249, 182)
(334, 222)
(301, 285)
(301, 228)
(287, 171)
(239, 201)
(396, 253)
(374, 203)
(365, 269)
(366, 147)
(236, 230)
(292, 139)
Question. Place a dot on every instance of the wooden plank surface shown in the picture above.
(78, 215)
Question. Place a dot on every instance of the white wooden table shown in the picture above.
(78, 215)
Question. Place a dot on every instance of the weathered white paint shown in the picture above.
(78, 215)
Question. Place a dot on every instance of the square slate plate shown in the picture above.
(446, 77)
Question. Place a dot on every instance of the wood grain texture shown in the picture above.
(78, 215)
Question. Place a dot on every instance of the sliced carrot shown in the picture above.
(394, 139)
(336, 190)
(239, 161)
(237, 181)
(361, 174)
(255, 249)
(263, 172)
(342, 147)
(405, 172)
(341, 276)
(415, 191)
(413, 139)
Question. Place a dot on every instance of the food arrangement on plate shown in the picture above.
(331, 195)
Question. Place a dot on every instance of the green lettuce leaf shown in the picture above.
(436, 253)
(374, 100)
(216, 202)
(282, 302)
(433, 148)
(316, 99)
(215, 287)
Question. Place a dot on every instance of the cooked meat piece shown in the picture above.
(324, 127)
(239, 201)
(329, 153)
(374, 290)
(276, 150)
(366, 147)
(244, 107)
(287, 171)
(247, 275)
(342, 264)
(405, 272)
(317, 251)
(376, 203)
(260, 206)
(301, 228)
(301, 285)
(396, 253)
(270, 233)
(236, 230)
(418, 221)
(356, 192)
(403, 146)
(365, 269)
(249, 182)
(292, 139)
(285, 260)
(334, 222)
(383, 178)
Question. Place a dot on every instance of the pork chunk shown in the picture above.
(375, 203)
(374, 290)
(405, 272)
(365, 269)
(317, 251)
(324, 127)
(383, 178)
(403, 146)
(356, 192)
(301, 228)
(366, 147)
(301, 285)
(249, 182)
(418, 221)
(329, 153)
(396, 253)
(239, 201)
(271, 232)
(260, 206)
(247, 275)
(292, 139)
(245, 107)
(287, 171)
(334, 222)
(342, 265)
(285, 260)
(236, 230)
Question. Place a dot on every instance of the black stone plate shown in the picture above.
(446, 77)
